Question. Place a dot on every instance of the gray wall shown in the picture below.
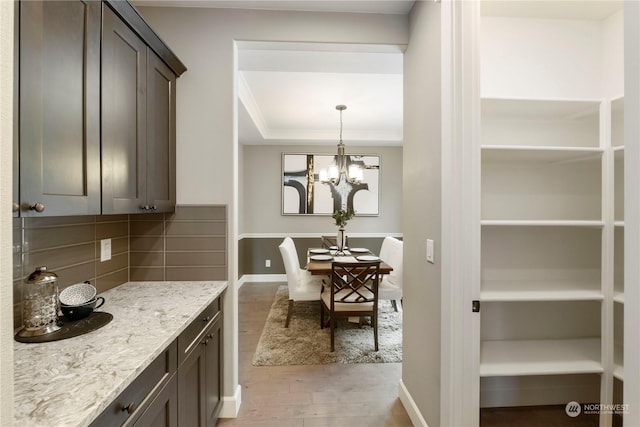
(261, 193)
(421, 205)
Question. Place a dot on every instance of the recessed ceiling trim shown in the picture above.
(249, 102)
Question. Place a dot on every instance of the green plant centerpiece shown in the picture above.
(342, 216)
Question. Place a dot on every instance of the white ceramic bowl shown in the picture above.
(77, 294)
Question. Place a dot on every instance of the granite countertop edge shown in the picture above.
(53, 384)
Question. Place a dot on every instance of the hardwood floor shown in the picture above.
(336, 395)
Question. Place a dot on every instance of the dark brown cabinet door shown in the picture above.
(161, 135)
(213, 375)
(124, 128)
(163, 410)
(191, 388)
(59, 123)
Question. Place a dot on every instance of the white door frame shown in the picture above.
(460, 395)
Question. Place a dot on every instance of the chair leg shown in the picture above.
(374, 319)
(286, 323)
(395, 305)
(333, 331)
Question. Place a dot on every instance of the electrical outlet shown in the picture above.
(267, 263)
(105, 250)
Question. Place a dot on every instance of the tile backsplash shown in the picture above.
(189, 244)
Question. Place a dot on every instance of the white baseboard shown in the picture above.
(410, 406)
(250, 278)
(231, 404)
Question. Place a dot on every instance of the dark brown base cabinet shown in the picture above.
(199, 379)
(182, 387)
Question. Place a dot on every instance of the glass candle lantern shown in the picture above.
(40, 303)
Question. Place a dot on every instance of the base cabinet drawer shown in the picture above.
(163, 410)
(134, 400)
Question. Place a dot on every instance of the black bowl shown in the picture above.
(77, 312)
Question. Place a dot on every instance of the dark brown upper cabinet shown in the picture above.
(95, 129)
(59, 108)
(138, 123)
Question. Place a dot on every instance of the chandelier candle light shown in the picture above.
(339, 171)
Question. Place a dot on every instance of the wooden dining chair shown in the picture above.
(352, 291)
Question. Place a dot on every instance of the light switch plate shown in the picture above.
(430, 251)
(105, 250)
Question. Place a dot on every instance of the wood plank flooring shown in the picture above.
(336, 395)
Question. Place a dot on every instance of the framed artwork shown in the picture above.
(304, 194)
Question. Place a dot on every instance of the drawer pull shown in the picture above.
(130, 408)
(206, 319)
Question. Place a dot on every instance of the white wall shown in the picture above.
(613, 55)
(262, 193)
(422, 181)
(204, 39)
(6, 270)
(553, 49)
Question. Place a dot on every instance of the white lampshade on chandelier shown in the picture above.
(339, 171)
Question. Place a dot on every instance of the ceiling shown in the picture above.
(288, 91)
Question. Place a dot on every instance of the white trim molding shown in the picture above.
(253, 278)
(231, 404)
(410, 406)
(460, 333)
(313, 235)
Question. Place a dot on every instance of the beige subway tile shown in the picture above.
(17, 316)
(196, 273)
(138, 244)
(147, 217)
(186, 212)
(111, 280)
(36, 239)
(59, 258)
(117, 262)
(146, 259)
(76, 274)
(53, 221)
(119, 245)
(206, 259)
(196, 243)
(110, 230)
(196, 228)
(18, 286)
(112, 218)
(142, 274)
(147, 228)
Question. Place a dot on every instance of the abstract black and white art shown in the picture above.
(304, 194)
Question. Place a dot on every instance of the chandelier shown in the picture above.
(341, 169)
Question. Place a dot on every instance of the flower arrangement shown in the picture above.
(341, 216)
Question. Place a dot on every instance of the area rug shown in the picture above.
(304, 343)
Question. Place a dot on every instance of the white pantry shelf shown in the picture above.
(542, 223)
(543, 154)
(540, 109)
(540, 357)
(519, 290)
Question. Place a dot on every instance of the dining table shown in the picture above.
(319, 260)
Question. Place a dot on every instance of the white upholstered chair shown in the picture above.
(391, 284)
(302, 285)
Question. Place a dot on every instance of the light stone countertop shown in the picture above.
(70, 382)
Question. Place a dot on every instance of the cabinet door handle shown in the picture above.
(154, 208)
(130, 408)
(144, 207)
(206, 319)
(15, 207)
(38, 207)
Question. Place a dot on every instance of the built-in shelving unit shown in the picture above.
(552, 208)
(542, 225)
